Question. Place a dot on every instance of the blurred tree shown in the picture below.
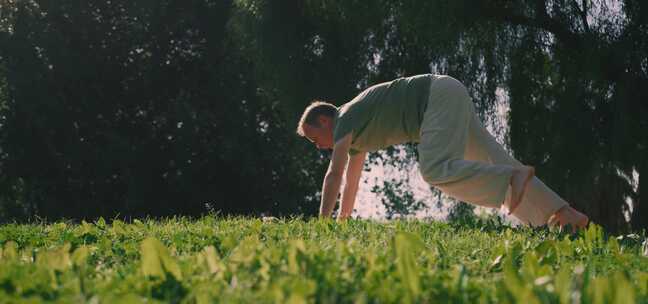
(397, 198)
(574, 72)
(160, 107)
(462, 212)
(137, 108)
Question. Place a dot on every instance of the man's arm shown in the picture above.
(353, 173)
(333, 178)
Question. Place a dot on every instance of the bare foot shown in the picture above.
(519, 181)
(568, 215)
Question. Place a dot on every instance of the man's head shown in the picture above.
(316, 124)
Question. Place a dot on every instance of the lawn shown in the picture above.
(217, 259)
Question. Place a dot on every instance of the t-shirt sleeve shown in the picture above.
(341, 129)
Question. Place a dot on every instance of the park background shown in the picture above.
(126, 109)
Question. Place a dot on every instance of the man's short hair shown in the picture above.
(312, 112)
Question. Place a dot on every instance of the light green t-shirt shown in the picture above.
(385, 114)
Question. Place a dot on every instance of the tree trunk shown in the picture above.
(639, 218)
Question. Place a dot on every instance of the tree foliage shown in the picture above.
(160, 107)
(138, 108)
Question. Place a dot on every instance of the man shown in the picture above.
(456, 153)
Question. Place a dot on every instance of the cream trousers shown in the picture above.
(458, 156)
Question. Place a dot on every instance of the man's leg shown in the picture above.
(444, 135)
(539, 202)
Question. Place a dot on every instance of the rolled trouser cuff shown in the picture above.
(538, 204)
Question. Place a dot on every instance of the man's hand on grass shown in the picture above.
(342, 218)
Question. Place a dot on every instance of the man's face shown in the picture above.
(321, 136)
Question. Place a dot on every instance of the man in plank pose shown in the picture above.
(457, 155)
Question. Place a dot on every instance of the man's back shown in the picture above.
(385, 114)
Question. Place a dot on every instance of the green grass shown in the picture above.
(248, 260)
